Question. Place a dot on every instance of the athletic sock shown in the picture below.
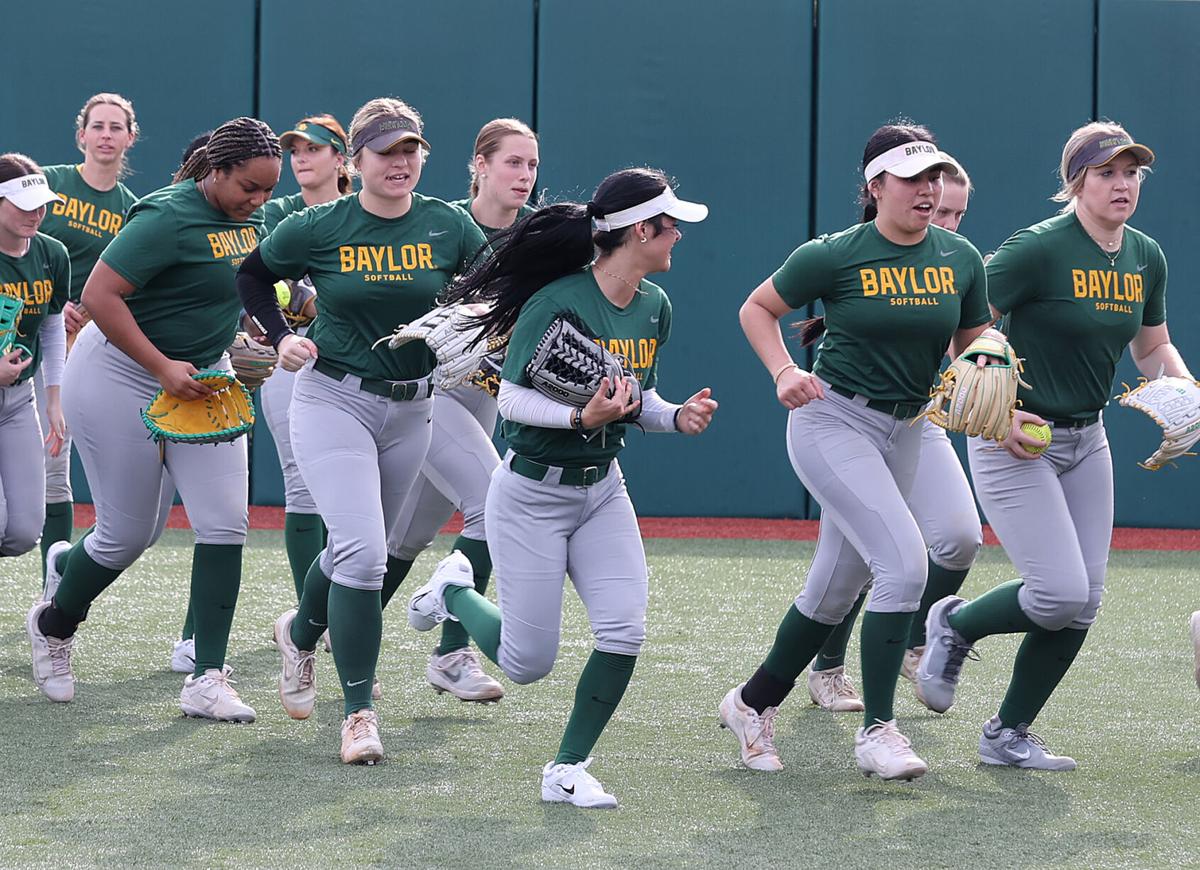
(600, 688)
(397, 570)
(356, 629)
(216, 579)
(796, 643)
(884, 636)
(833, 653)
(941, 582)
(997, 611)
(303, 538)
(52, 622)
(478, 616)
(312, 616)
(189, 623)
(82, 581)
(454, 636)
(58, 526)
(1042, 661)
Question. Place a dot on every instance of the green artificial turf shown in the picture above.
(118, 777)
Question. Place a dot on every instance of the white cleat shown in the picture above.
(212, 696)
(1018, 747)
(51, 658)
(427, 607)
(572, 784)
(297, 681)
(53, 576)
(908, 667)
(183, 656)
(832, 690)
(360, 738)
(458, 672)
(755, 732)
(883, 751)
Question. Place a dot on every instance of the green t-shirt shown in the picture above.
(890, 310)
(275, 210)
(1072, 309)
(182, 256)
(637, 332)
(490, 232)
(85, 219)
(41, 279)
(371, 274)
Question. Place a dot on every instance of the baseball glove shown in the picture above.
(567, 365)
(1174, 404)
(11, 309)
(974, 400)
(252, 362)
(487, 376)
(297, 301)
(452, 332)
(222, 416)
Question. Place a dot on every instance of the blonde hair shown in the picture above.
(345, 182)
(962, 179)
(383, 107)
(81, 121)
(1072, 187)
(488, 142)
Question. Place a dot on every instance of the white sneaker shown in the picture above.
(755, 731)
(213, 697)
(360, 738)
(427, 607)
(53, 577)
(882, 750)
(458, 672)
(572, 784)
(908, 667)
(832, 690)
(51, 658)
(1018, 747)
(183, 656)
(1194, 625)
(297, 686)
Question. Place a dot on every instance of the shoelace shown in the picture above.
(1022, 732)
(60, 655)
(580, 774)
(765, 723)
(361, 726)
(465, 658)
(890, 735)
(842, 686)
(304, 670)
(958, 653)
(223, 682)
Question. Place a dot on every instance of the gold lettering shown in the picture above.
(870, 282)
(425, 256)
(947, 280)
(932, 283)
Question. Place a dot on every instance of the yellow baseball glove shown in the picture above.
(223, 416)
(978, 400)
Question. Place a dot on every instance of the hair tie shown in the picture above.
(593, 211)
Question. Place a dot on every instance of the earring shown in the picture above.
(643, 240)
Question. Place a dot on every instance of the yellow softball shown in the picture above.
(1041, 432)
(283, 293)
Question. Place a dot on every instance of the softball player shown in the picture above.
(944, 508)
(558, 504)
(1087, 280)
(35, 269)
(895, 292)
(461, 457)
(164, 301)
(360, 416)
(91, 207)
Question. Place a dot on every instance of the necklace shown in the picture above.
(600, 268)
(1110, 250)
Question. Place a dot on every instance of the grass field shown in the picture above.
(119, 778)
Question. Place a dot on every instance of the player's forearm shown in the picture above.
(116, 321)
(1163, 358)
(256, 287)
(763, 332)
(528, 406)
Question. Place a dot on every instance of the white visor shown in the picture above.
(29, 192)
(910, 159)
(665, 203)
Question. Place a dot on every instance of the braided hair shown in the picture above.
(232, 143)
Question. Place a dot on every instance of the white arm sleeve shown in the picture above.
(526, 405)
(53, 337)
(658, 415)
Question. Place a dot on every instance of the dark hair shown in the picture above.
(233, 143)
(552, 242)
(199, 142)
(14, 165)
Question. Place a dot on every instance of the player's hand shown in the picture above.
(603, 409)
(75, 317)
(11, 365)
(175, 375)
(1016, 437)
(796, 388)
(295, 351)
(57, 436)
(696, 413)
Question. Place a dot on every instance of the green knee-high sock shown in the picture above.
(454, 636)
(1042, 661)
(82, 581)
(303, 538)
(312, 617)
(941, 582)
(599, 690)
(797, 641)
(397, 570)
(478, 616)
(356, 628)
(216, 579)
(189, 623)
(884, 636)
(997, 611)
(59, 523)
(833, 653)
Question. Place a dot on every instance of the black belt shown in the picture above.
(1073, 423)
(397, 391)
(567, 476)
(899, 410)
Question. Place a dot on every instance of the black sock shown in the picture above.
(763, 690)
(52, 622)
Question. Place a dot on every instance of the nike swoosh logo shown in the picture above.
(453, 675)
(355, 682)
(1019, 756)
(945, 253)
(898, 640)
(434, 235)
(312, 621)
(1143, 267)
(570, 790)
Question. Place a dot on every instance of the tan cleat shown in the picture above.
(832, 690)
(297, 680)
(360, 738)
(912, 658)
(883, 751)
(212, 696)
(755, 732)
(51, 658)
